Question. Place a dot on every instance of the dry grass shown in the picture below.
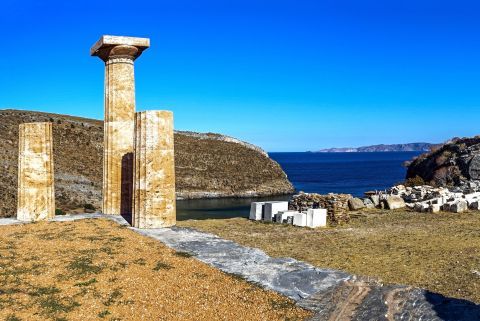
(96, 269)
(440, 252)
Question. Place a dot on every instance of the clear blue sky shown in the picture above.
(285, 75)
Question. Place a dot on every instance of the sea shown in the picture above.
(352, 173)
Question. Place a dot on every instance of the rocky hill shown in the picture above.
(453, 163)
(207, 165)
(410, 147)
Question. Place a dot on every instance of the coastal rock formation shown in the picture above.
(455, 163)
(36, 199)
(206, 165)
(410, 147)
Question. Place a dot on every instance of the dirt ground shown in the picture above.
(98, 270)
(439, 252)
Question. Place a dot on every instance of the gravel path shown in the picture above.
(332, 295)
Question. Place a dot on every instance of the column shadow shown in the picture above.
(126, 196)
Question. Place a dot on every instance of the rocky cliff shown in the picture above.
(453, 163)
(206, 165)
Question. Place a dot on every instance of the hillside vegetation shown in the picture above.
(207, 165)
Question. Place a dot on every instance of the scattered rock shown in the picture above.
(394, 202)
(459, 207)
(355, 204)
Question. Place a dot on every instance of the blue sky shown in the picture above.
(285, 75)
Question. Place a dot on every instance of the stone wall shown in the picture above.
(336, 205)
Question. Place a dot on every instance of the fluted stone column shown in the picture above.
(118, 53)
(36, 195)
(154, 181)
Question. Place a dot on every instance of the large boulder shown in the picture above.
(355, 204)
(394, 202)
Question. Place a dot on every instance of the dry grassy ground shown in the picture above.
(96, 269)
(440, 252)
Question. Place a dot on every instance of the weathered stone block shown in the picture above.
(355, 204)
(272, 208)
(300, 219)
(394, 202)
(434, 208)
(256, 211)
(375, 200)
(475, 205)
(154, 180)
(36, 195)
(316, 217)
(458, 206)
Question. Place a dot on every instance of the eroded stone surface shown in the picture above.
(154, 177)
(119, 54)
(36, 195)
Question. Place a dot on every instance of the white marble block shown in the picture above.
(256, 211)
(284, 215)
(316, 217)
(300, 219)
(272, 208)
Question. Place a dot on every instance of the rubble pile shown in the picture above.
(434, 199)
(336, 205)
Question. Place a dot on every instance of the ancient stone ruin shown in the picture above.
(36, 196)
(119, 54)
(154, 170)
(138, 149)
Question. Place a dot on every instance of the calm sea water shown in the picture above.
(353, 173)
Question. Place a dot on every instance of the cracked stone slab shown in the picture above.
(330, 294)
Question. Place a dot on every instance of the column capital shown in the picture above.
(119, 47)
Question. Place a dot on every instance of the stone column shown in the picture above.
(154, 181)
(118, 53)
(36, 195)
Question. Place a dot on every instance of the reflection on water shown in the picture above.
(219, 208)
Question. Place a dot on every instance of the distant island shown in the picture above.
(410, 147)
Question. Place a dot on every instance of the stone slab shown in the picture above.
(111, 41)
(272, 208)
(256, 211)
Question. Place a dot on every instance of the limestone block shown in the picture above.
(272, 208)
(300, 219)
(256, 211)
(282, 217)
(458, 206)
(355, 204)
(434, 208)
(316, 217)
(36, 195)
(475, 205)
(395, 202)
(375, 200)
(119, 54)
(472, 196)
(154, 170)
